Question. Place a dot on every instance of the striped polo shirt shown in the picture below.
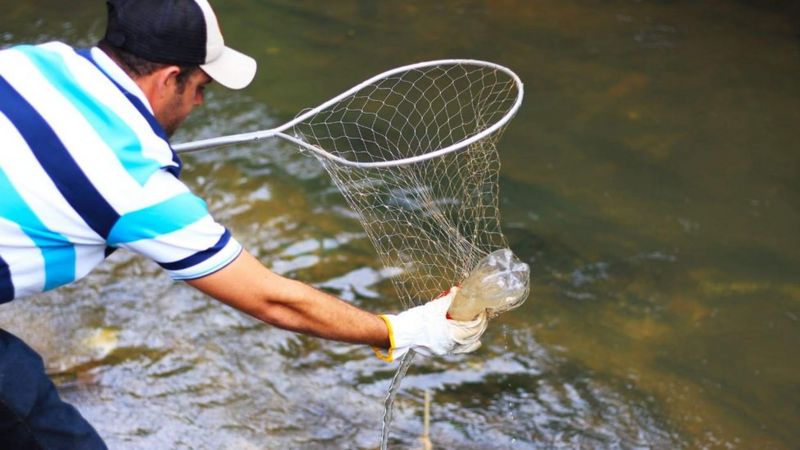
(84, 168)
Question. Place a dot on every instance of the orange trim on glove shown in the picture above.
(388, 357)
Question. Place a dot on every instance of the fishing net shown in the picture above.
(414, 154)
(413, 151)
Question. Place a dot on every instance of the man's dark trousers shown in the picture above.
(32, 415)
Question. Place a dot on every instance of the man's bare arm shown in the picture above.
(248, 286)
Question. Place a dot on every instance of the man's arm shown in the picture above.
(248, 286)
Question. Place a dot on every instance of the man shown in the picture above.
(86, 168)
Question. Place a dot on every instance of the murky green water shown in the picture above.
(651, 179)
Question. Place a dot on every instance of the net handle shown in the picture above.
(279, 131)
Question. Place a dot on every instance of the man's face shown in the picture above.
(181, 102)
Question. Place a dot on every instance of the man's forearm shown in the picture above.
(247, 285)
(298, 307)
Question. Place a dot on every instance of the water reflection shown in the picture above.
(650, 178)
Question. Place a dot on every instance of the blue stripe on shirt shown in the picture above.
(57, 251)
(199, 257)
(54, 158)
(6, 286)
(166, 217)
(143, 110)
(117, 135)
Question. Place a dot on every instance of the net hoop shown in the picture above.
(464, 143)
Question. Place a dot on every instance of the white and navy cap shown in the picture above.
(183, 32)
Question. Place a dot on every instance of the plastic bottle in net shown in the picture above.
(498, 283)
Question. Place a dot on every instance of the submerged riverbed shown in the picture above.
(650, 180)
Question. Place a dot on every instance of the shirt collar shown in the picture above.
(116, 73)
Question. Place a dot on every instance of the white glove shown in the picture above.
(429, 332)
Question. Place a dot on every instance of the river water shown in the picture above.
(650, 179)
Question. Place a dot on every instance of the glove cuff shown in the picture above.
(389, 355)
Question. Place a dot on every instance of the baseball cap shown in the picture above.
(183, 32)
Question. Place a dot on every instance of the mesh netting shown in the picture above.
(432, 214)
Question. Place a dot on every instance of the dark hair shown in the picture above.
(136, 66)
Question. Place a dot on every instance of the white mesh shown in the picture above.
(430, 213)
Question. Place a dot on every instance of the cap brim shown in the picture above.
(232, 69)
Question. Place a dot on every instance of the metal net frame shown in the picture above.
(414, 152)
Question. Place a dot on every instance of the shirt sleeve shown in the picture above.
(173, 227)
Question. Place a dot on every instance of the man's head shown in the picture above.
(162, 43)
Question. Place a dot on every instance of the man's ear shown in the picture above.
(166, 79)
(159, 86)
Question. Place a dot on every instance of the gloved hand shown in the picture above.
(428, 331)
